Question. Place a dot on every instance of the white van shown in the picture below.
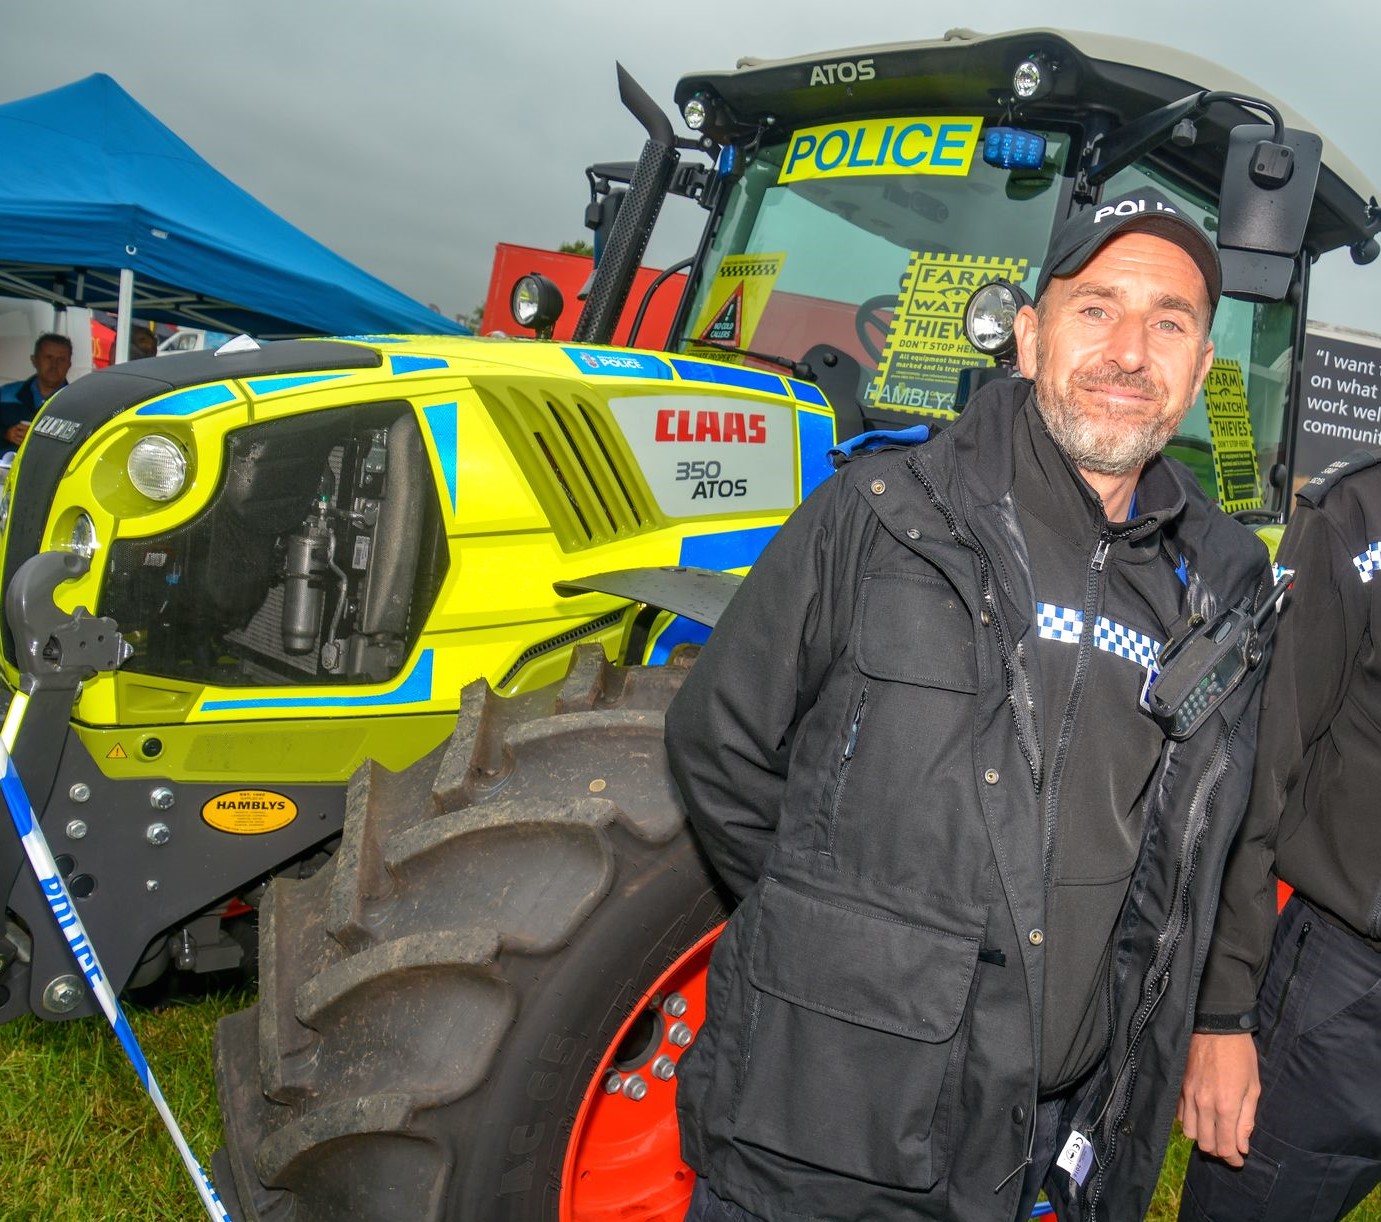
(190, 339)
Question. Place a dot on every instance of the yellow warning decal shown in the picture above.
(926, 349)
(867, 147)
(117, 752)
(734, 305)
(1230, 430)
(249, 812)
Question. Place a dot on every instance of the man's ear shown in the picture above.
(1205, 366)
(1025, 329)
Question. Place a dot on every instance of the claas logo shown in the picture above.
(674, 425)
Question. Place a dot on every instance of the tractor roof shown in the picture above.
(966, 72)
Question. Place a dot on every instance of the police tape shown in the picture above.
(65, 913)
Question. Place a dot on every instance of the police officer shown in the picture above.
(916, 749)
(1282, 1093)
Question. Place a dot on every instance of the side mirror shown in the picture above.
(1268, 191)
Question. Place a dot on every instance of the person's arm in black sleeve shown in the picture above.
(1316, 639)
(730, 727)
(1314, 644)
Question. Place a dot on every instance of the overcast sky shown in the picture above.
(412, 135)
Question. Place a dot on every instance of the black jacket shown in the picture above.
(1313, 817)
(858, 751)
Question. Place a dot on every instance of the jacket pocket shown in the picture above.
(859, 1026)
(914, 628)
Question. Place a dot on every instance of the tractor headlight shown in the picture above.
(991, 315)
(157, 467)
(83, 540)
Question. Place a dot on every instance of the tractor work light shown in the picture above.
(157, 468)
(536, 302)
(991, 315)
(1010, 148)
(1033, 78)
(695, 112)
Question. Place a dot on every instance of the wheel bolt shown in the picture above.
(680, 1034)
(613, 1082)
(675, 1006)
(664, 1067)
(634, 1087)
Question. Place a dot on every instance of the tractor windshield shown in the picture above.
(868, 237)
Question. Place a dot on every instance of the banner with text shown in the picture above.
(1230, 431)
(1340, 407)
(925, 349)
(734, 305)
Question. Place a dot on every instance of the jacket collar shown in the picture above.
(980, 473)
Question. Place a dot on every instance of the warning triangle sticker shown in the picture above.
(116, 752)
(725, 327)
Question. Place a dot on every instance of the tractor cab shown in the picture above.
(858, 200)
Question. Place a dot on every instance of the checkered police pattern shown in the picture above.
(1369, 561)
(1067, 624)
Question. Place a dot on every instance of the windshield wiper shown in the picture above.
(798, 369)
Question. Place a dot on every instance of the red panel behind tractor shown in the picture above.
(570, 274)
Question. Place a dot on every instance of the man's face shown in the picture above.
(52, 362)
(142, 343)
(1118, 351)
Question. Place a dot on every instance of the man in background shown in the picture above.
(142, 343)
(20, 401)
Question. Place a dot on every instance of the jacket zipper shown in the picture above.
(1158, 977)
(1285, 988)
(990, 602)
(1092, 590)
(850, 746)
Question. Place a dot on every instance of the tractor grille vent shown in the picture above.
(560, 641)
(576, 462)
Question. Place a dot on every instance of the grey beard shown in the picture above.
(1105, 451)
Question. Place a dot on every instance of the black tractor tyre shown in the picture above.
(435, 1002)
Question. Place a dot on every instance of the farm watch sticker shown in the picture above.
(1230, 430)
(925, 350)
(249, 812)
(862, 147)
(737, 297)
(709, 455)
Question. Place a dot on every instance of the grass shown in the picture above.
(79, 1140)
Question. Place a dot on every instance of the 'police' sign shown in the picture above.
(882, 146)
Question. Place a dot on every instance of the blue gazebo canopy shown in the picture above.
(92, 184)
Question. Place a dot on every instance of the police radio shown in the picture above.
(1199, 670)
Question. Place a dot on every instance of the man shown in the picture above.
(20, 401)
(142, 343)
(1287, 1091)
(974, 874)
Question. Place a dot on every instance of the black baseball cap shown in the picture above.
(1143, 211)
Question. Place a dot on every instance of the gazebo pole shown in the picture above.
(123, 315)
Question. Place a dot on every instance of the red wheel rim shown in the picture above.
(624, 1156)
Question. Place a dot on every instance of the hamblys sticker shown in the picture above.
(249, 812)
